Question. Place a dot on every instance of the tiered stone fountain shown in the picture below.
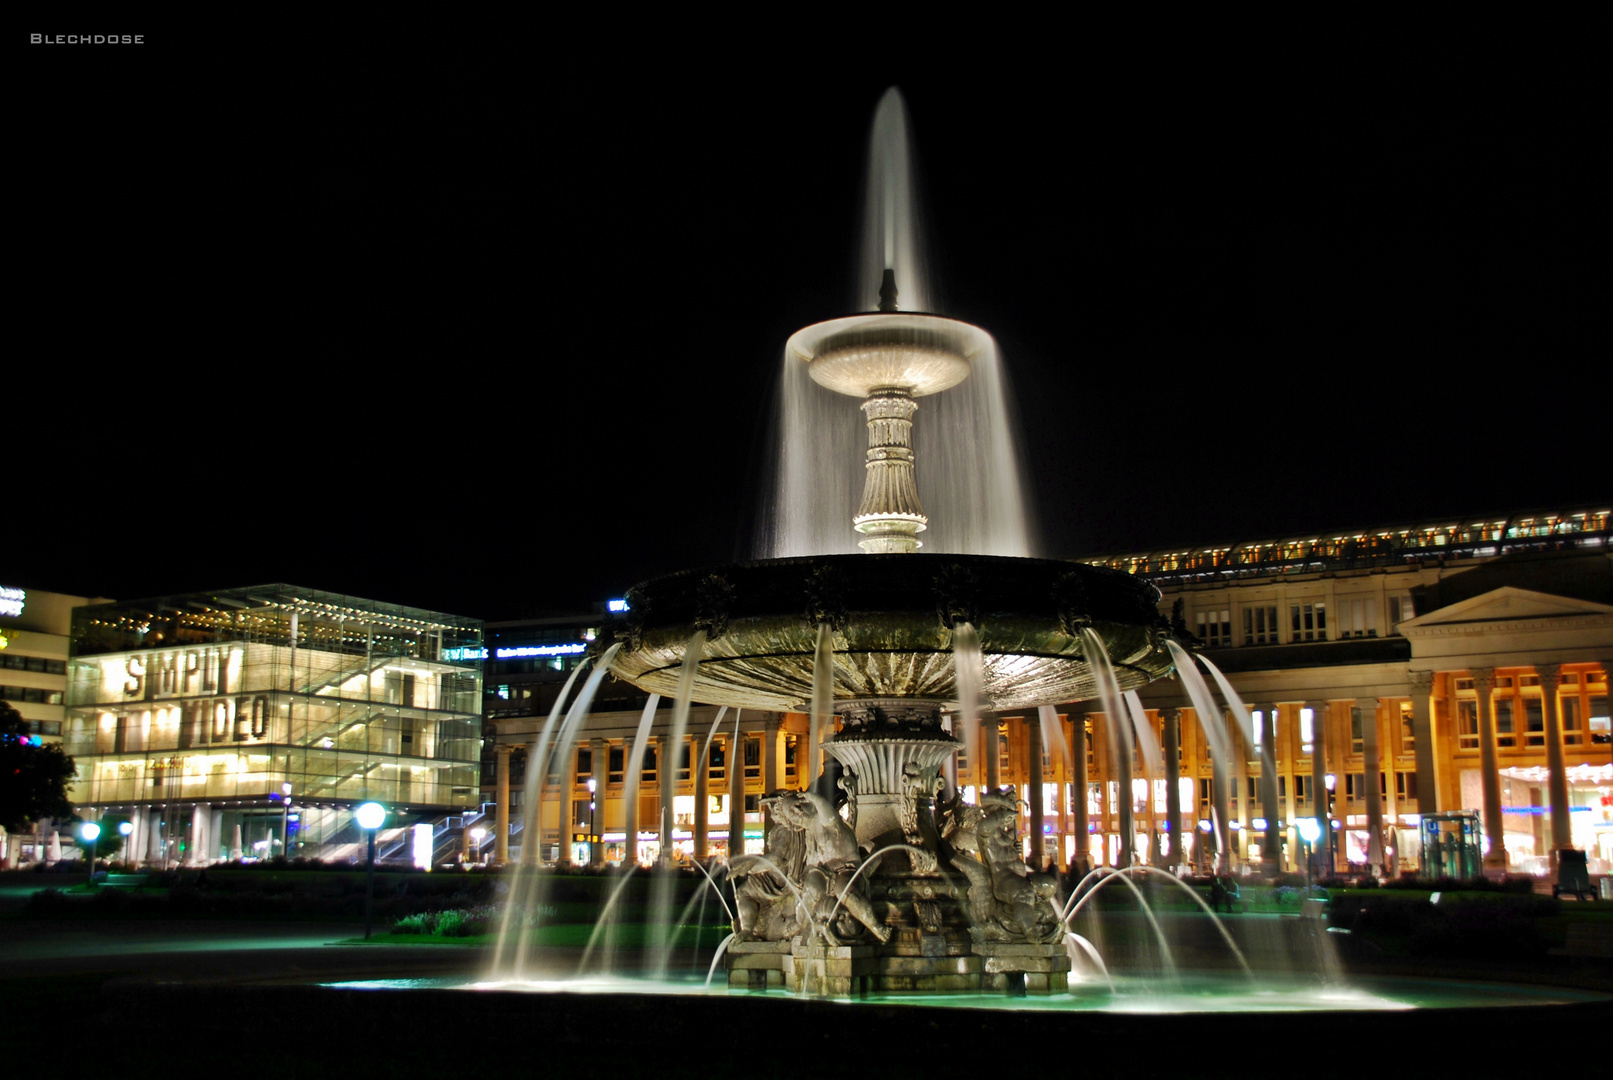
(905, 887)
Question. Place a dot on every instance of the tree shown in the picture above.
(33, 777)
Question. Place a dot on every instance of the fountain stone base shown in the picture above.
(934, 899)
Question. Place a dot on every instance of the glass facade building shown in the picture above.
(200, 714)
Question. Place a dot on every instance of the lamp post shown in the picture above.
(476, 835)
(1310, 830)
(1332, 782)
(369, 815)
(285, 820)
(90, 832)
(591, 789)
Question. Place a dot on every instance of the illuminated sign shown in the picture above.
(615, 605)
(465, 652)
(11, 601)
(540, 650)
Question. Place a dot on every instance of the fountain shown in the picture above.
(904, 886)
(879, 876)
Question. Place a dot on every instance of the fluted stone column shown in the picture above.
(736, 791)
(1173, 787)
(1372, 771)
(702, 810)
(1221, 780)
(599, 772)
(1082, 858)
(1319, 808)
(1562, 835)
(1271, 845)
(991, 751)
(1494, 830)
(1033, 780)
(1123, 770)
(1422, 733)
(770, 766)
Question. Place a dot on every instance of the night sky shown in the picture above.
(490, 327)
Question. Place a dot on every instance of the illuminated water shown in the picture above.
(1192, 994)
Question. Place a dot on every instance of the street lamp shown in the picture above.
(90, 832)
(591, 790)
(477, 834)
(369, 815)
(1310, 830)
(285, 820)
(1331, 780)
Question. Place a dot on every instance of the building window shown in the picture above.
(615, 756)
(1408, 731)
(753, 804)
(1358, 722)
(1400, 610)
(1467, 725)
(1307, 730)
(717, 767)
(1601, 732)
(1302, 789)
(790, 743)
(585, 763)
(1572, 733)
(1358, 617)
(1505, 736)
(1282, 788)
(1215, 627)
(753, 757)
(1355, 788)
(649, 773)
(1204, 791)
(683, 760)
(1260, 625)
(1307, 622)
(1406, 785)
(1534, 722)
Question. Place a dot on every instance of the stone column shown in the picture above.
(1122, 773)
(1241, 845)
(770, 765)
(702, 783)
(1221, 780)
(599, 774)
(501, 809)
(1557, 777)
(1081, 860)
(1422, 734)
(1484, 684)
(1173, 787)
(154, 852)
(1319, 793)
(1033, 780)
(198, 827)
(1271, 845)
(1372, 772)
(736, 791)
(667, 760)
(991, 750)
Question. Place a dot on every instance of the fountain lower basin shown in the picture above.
(893, 619)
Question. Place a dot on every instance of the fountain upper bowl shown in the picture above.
(905, 350)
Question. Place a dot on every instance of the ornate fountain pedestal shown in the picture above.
(886, 897)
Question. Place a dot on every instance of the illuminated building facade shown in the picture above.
(34, 627)
(1457, 666)
(248, 722)
(528, 664)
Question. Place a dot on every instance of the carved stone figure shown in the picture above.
(831, 859)
(915, 788)
(1007, 902)
(766, 901)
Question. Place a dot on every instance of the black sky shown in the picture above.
(455, 321)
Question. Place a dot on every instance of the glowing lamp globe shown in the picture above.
(90, 831)
(1310, 830)
(370, 815)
